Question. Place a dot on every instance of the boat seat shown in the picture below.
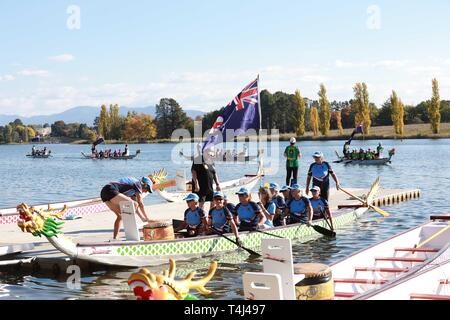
(375, 269)
(344, 294)
(400, 259)
(417, 249)
(425, 296)
(360, 281)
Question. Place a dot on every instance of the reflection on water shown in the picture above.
(69, 177)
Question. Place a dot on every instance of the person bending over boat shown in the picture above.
(194, 217)
(247, 213)
(299, 209)
(268, 207)
(220, 218)
(280, 203)
(320, 206)
(126, 189)
(320, 172)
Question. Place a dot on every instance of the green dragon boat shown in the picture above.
(146, 253)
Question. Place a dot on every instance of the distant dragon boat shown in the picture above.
(242, 157)
(129, 157)
(380, 161)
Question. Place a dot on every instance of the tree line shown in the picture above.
(16, 132)
(293, 113)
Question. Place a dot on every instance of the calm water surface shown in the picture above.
(418, 164)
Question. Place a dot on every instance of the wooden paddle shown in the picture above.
(165, 184)
(379, 210)
(434, 236)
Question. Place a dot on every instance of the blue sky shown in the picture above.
(203, 52)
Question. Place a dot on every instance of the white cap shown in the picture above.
(293, 140)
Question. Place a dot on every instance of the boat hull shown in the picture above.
(157, 252)
(113, 158)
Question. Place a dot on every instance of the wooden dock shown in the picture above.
(98, 227)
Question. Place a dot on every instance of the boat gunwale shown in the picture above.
(338, 213)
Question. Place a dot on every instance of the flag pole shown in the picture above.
(260, 117)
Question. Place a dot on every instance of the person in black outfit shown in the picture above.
(203, 176)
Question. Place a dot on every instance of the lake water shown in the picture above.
(417, 164)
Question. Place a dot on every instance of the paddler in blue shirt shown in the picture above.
(320, 172)
(194, 217)
(126, 189)
(320, 207)
(220, 218)
(299, 208)
(247, 213)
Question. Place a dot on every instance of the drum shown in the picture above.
(318, 282)
(160, 230)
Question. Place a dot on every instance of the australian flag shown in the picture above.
(240, 115)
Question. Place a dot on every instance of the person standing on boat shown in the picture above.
(320, 172)
(194, 217)
(220, 218)
(320, 206)
(125, 152)
(346, 150)
(292, 154)
(298, 209)
(203, 176)
(247, 213)
(33, 150)
(126, 189)
(380, 150)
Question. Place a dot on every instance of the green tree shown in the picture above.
(301, 110)
(267, 108)
(324, 111)
(104, 123)
(115, 122)
(361, 105)
(314, 121)
(58, 129)
(434, 108)
(169, 117)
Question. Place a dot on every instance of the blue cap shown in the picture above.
(274, 185)
(296, 186)
(315, 188)
(243, 190)
(218, 194)
(285, 188)
(191, 196)
(148, 182)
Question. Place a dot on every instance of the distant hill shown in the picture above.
(83, 115)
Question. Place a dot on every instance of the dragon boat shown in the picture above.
(146, 253)
(43, 156)
(228, 187)
(380, 161)
(226, 158)
(129, 157)
(412, 265)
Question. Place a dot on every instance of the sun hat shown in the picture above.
(318, 154)
(243, 190)
(315, 188)
(293, 140)
(285, 188)
(274, 185)
(296, 186)
(218, 194)
(191, 196)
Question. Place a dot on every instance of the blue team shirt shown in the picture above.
(247, 212)
(271, 208)
(194, 217)
(219, 217)
(320, 172)
(279, 201)
(319, 206)
(298, 207)
(129, 186)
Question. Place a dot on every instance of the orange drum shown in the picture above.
(161, 230)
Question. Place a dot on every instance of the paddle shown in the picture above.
(379, 210)
(437, 234)
(269, 234)
(253, 253)
(165, 184)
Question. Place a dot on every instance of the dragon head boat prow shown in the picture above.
(39, 222)
(149, 286)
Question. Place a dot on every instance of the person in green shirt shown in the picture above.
(292, 154)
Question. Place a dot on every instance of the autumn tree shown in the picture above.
(301, 110)
(324, 111)
(314, 121)
(103, 122)
(434, 112)
(339, 122)
(139, 127)
(362, 106)
(397, 114)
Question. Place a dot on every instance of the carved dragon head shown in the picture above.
(158, 176)
(39, 222)
(149, 286)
